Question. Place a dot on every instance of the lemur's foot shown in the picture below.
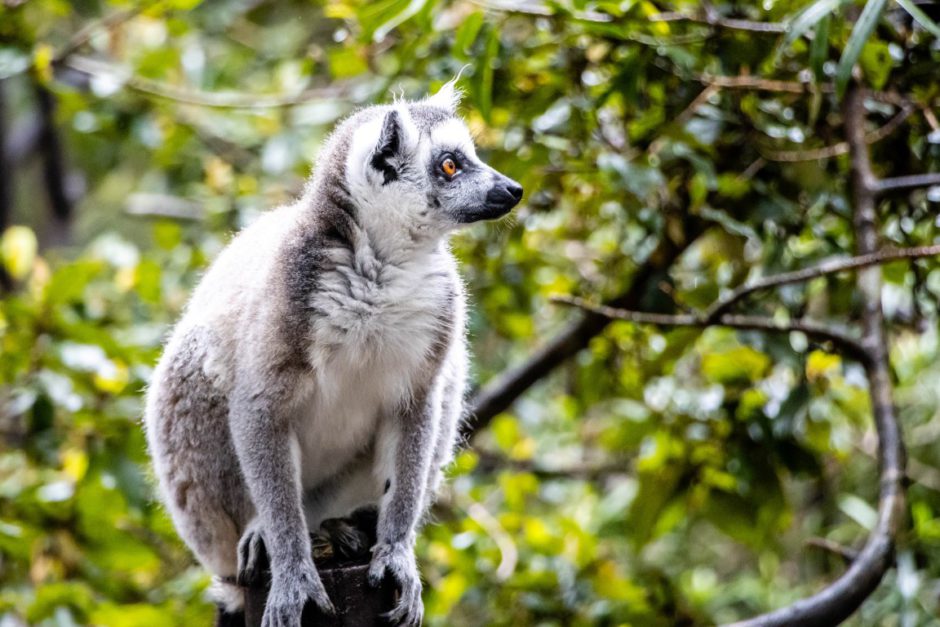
(398, 561)
(290, 592)
(252, 557)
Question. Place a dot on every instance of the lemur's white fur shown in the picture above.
(320, 364)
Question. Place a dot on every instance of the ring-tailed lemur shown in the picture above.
(320, 365)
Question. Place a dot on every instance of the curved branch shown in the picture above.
(827, 267)
(842, 597)
(816, 330)
(221, 100)
(838, 600)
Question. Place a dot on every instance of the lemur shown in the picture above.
(320, 364)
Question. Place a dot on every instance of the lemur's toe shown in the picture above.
(252, 559)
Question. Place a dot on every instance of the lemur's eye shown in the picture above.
(449, 167)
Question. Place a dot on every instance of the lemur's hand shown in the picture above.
(398, 560)
(290, 590)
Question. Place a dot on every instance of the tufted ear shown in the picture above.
(388, 147)
(447, 97)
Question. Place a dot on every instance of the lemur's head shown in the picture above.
(414, 164)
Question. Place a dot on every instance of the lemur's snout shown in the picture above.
(503, 196)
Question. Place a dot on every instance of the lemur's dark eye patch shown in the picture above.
(449, 166)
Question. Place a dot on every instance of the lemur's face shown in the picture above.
(415, 163)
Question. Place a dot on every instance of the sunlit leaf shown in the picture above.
(861, 32)
(18, 247)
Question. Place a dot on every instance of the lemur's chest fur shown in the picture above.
(374, 326)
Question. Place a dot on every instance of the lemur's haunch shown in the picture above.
(321, 363)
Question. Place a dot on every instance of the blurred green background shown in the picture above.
(661, 477)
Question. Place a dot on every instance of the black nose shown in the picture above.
(505, 194)
(500, 199)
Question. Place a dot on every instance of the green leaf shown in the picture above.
(922, 18)
(819, 49)
(741, 364)
(876, 63)
(862, 30)
(467, 33)
(486, 74)
(346, 63)
(807, 19)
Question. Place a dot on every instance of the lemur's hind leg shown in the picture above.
(200, 479)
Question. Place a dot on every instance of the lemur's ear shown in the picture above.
(388, 147)
(448, 96)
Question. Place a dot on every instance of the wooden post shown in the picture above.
(341, 551)
(357, 603)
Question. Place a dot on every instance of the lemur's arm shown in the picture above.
(263, 441)
(452, 413)
(410, 437)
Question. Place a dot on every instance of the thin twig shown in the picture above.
(809, 154)
(490, 463)
(713, 18)
(907, 183)
(698, 101)
(816, 330)
(222, 100)
(830, 266)
(840, 148)
(540, 10)
(847, 554)
(759, 83)
(108, 22)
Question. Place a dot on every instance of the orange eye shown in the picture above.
(448, 167)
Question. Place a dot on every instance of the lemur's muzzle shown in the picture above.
(503, 196)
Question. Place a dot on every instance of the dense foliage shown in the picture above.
(663, 476)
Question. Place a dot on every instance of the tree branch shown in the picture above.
(707, 17)
(539, 9)
(816, 330)
(848, 555)
(53, 166)
(501, 392)
(907, 183)
(108, 22)
(842, 597)
(827, 267)
(713, 18)
(220, 100)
